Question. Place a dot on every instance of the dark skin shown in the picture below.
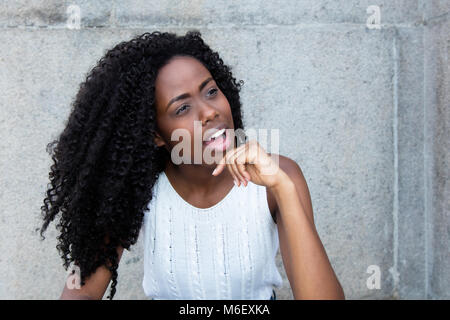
(193, 182)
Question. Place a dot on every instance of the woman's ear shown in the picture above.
(158, 140)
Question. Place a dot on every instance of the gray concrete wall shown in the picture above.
(368, 110)
(437, 148)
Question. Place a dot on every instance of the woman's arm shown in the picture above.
(306, 263)
(307, 266)
(95, 285)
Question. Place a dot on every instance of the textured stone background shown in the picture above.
(363, 111)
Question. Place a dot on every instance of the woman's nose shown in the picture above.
(208, 112)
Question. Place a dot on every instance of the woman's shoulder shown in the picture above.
(285, 163)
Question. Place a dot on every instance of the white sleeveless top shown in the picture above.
(223, 252)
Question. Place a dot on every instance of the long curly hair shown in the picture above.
(105, 160)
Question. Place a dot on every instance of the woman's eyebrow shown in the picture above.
(186, 95)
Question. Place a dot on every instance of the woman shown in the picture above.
(116, 176)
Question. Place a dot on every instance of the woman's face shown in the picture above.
(186, 92)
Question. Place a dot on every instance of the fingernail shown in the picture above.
(214, 171)
(235, 183)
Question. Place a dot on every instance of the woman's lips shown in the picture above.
(221, 143)
(215, 136)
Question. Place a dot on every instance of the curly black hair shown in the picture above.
(105, 160)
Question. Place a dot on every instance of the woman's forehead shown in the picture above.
(181, 73)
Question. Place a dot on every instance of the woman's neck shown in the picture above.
(196, 178)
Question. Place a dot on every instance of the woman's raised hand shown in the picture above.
(250, 162)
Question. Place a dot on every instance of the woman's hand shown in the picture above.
(250, 162)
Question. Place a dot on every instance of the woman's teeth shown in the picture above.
(217, 134)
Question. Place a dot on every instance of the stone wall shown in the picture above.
(363, 111)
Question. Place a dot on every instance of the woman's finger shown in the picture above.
(232, 164)
(223, 162)
(241, 162)
(233, 174)
(233, 170)
(228, 161)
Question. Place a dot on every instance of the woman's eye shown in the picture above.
(212, 91)
(182, 108)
